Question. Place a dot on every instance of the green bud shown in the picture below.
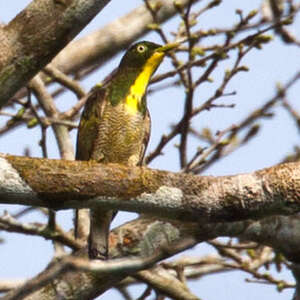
(221, 54)
(280, 89)
(225, 142)
(32, 123)
(177, 5)
(241, 47)
(231, 34)
(227, 73)
(243, 69)
(214, 3)
(193, 22)
(153, 26)
(280, 286)
(288, 21)
(251, 253)
(252, 14)
(20, 113)
(198, 51)
(264, 38)
(212, 32)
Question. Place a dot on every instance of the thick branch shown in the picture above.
(60, 184)
(36, 35)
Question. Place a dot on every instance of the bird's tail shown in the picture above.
(99, 232)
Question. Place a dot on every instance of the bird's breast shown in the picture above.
(120, 137)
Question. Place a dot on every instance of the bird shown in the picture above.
(115, 126)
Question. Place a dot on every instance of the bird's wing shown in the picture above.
(91, 116)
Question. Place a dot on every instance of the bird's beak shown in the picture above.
(167, 47)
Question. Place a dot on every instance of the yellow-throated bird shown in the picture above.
(115, 125)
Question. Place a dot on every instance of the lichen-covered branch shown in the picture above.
(61, 184)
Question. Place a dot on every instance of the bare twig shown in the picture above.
(8, 223)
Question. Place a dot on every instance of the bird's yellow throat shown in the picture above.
(138, 89)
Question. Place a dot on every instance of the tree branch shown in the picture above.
(33, 38)
(61, 184)
(161, 280)
(10, 224)
(144, 237)
(7, 285)
(94, 277)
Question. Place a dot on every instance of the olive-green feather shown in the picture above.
(90, 121)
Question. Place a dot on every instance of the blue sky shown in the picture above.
(25, 256)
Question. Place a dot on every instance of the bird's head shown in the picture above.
(139, 54)
(134, 72)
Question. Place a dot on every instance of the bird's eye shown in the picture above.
(141, 48)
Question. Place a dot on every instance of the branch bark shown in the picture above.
(33, 38)
(68, 184)
(61, 184)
